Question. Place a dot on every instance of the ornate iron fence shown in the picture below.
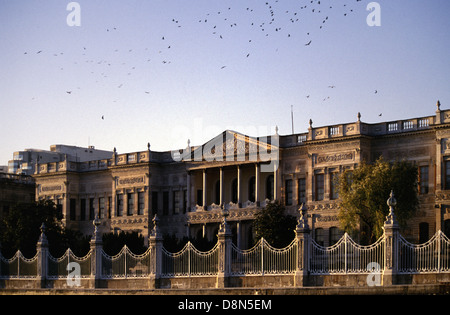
(432, 256)
(346, 257)
(264, 259)
(18, 266)
(190, 262)
(126, 264)
(58, 267)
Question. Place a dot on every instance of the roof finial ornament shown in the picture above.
(310, 123)
(359, 116)
(276, 130)
(438, 105)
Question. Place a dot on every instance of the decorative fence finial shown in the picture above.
(302, 222)
(224, 227)
(96, 222)
(155, 231)
(391, 202)
(43, 237)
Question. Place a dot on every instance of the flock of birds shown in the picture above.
(263, 21)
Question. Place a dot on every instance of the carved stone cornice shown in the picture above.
(215, 216)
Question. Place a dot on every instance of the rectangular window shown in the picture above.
(109, 206)
(301, 191)
(154, 202)
(185, 205)
(288, 187)
(141, 203)
(73, 209)
(165, 203)
(101, 207)
(423, 180)
(200, 197)
(447, 175)
(319, 191)
(82, 209)
(334, 193)
(59, 207)
(176, 202)
(119, 205)
(91, 209)
(130, 204)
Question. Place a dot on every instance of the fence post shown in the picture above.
(42, 252)
(96, 255)
(155, 243)
(391, 238)
(224, 264)
(302, 234)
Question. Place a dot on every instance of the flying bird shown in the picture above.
(308, 43)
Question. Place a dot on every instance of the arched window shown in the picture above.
(251, 189)
(269, 187)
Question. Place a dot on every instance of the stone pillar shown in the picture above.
(221, 186)
(239, 234)
(96, 255)
(42, 252)
(205, 206)
(303, 237)
(275, 181)
(224, 238)
(155, 242)
(239, 177)
(257, 186)
(391, 237)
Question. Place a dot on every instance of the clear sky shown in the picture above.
(164, 71)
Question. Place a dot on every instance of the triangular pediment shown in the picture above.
(234, 146)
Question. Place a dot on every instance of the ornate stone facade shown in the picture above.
(188, 188)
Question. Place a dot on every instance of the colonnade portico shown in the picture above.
(241, 189)
(229, 187)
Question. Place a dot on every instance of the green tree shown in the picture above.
(20, 227)
(365, 190)
(20, 230)
(274, 225)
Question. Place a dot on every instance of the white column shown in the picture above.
(221, 185)
(275, 183)
(257, 172)
(205, 207)
(239, 175)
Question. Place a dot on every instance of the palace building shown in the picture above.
(189, 188)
